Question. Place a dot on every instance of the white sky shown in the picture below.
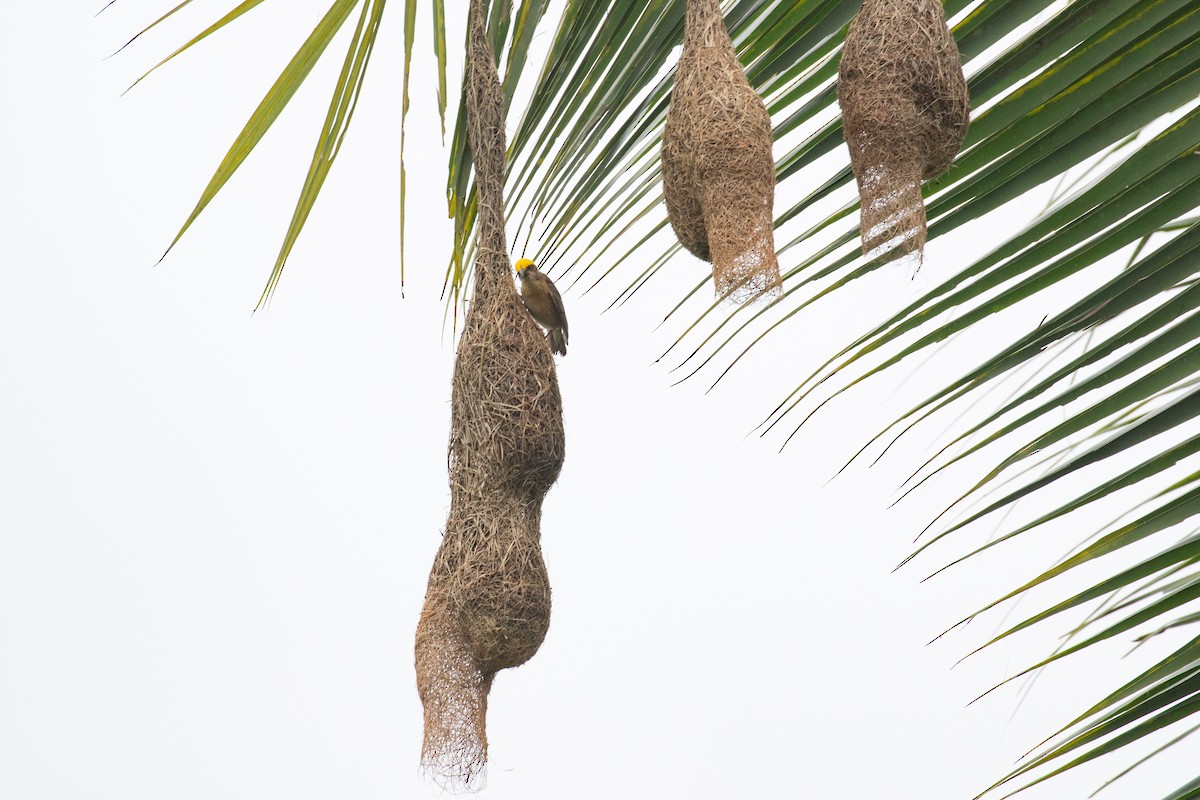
(215, 529)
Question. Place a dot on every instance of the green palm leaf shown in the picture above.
(1087, 81)
(1096, 95)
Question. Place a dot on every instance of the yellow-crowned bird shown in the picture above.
(544, 303)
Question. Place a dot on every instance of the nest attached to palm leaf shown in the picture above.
(717, 169)
(905, 110)
(487, 605)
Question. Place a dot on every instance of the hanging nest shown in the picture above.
(717, 168)
(487, 606)
(905, 110)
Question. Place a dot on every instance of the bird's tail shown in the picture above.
(558, 342)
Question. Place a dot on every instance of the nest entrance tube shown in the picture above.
(487, 605)
(905, 110)
(717, 169)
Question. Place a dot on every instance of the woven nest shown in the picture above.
(487, 606)
(717, 168)
(905, 110)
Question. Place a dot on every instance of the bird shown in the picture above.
(544, 304)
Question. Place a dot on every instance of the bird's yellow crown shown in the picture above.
(523, 263)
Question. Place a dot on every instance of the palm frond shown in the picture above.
(295, 73)
(1097, 96)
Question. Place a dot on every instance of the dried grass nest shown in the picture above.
(905, 110)
(487, 605)
(717, 169)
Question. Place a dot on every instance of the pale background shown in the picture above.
(215, 528)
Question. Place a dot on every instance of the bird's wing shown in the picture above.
(556, 301)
